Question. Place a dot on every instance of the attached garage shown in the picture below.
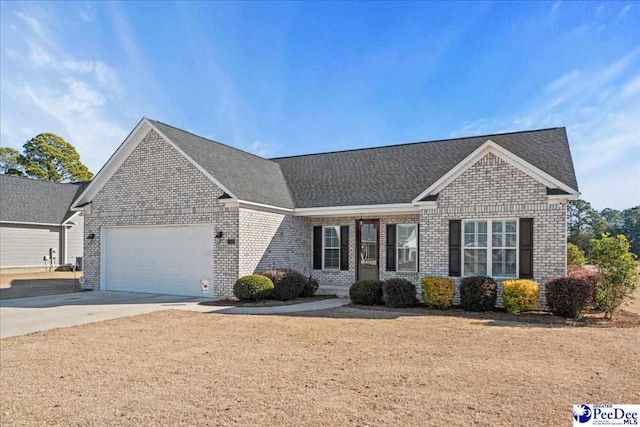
(157, 259)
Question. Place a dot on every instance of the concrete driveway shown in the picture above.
(24, 285)
(25, 315)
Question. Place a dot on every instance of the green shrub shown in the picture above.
(310, 287)
(569, 296)
(519, 295)
(399, 293)
(617, 276)
(253, 287)
(287, 283)
(575, 256)
(366, 292)
(478, 293)
(438, 292)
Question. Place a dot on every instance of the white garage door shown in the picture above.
(165, 260)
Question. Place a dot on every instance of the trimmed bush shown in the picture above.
(399, 293)
(438, 292)
(310, 288)
(253, 287)
(519, 295)
(287, 283)
(569, 296)
(366, 292)
(588, 275)
(478, 293)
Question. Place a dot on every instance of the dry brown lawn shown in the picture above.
(330, 368)
(634, 306)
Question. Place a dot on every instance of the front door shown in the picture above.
(367, 244)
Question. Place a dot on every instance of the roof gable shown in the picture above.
(502, 153)
(399, 173)
(246, 176)
(241, 175)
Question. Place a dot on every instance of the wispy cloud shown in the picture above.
(625, 10)
(88, 13)
(555, 7)
(36, 27)
(37, 56)
(104, 75)
(46, 89)
(564, 80)
(262, 149)
(221, 86)
(469, 128)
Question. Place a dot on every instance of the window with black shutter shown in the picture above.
(344, 247)
(455, 242)
(391, 247)
(526, 248)
(317, 248)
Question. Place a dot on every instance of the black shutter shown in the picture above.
(418, 247)
(317, 248)
(455, 247)
(526, 248)
(391, 247)
(344, 247)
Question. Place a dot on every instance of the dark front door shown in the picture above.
(367, 244)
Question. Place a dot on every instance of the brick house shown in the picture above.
(170, 210)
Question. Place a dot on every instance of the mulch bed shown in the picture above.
(266, 303)
(590, 319)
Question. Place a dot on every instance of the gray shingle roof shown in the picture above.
(247, 176)
(30, 200)
(382, 175)
(399, 173)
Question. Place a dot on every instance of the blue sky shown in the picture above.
(291, 78)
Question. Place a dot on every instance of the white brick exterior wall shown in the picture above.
(156, 185)
(493, 189)
(339, 281)
(271, 240)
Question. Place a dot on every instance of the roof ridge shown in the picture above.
(402, 144)
(210, 140)
(42, 180)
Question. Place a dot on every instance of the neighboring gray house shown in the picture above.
(36, 223)
(170, 210)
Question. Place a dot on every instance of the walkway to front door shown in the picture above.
(367, 242)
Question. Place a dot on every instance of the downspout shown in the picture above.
(63, 258)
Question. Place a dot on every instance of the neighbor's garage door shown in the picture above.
(166, 260)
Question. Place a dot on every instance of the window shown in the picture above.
(490, 248)
(504, 249)
(368, 244)
(407, 247)
(331, 248)
(475, 248)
